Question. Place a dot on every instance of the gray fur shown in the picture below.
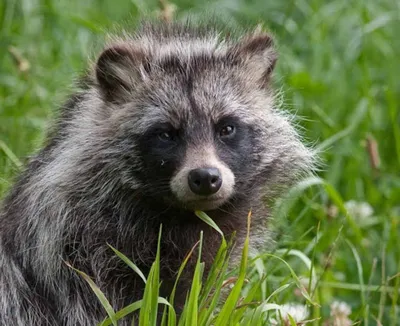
(84, 188)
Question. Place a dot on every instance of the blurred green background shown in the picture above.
(339, 71)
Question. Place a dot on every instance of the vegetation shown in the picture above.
(337, 249)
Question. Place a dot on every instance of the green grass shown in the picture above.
(338, 71)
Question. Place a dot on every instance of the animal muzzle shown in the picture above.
(203, 182)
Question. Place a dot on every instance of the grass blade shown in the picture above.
(230, 304)
(192, 303)
(149, 308)
(127, 261)
(9, 153)
(361, 279)
(100, 295)
(123, 313)
(206, 219)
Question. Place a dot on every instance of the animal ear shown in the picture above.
(118, 70)
(258, 53)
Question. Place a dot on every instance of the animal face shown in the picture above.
(194, 138)
(198, 114)
(196, 145)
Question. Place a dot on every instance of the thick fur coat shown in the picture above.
(156, 105)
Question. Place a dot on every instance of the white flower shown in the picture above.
(340, 308)
(297, 311)
(359, 210)
(340, 312)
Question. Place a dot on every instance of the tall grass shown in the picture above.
(338, 70)
(206, 304)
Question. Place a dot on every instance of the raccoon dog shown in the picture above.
(170, 119)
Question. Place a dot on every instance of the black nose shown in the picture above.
(206, 181)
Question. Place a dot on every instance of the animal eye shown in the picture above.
(227, 131)
(166, 136)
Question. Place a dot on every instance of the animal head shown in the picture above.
(190, 116)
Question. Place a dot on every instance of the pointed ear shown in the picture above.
(119, 69)
(258, 53)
